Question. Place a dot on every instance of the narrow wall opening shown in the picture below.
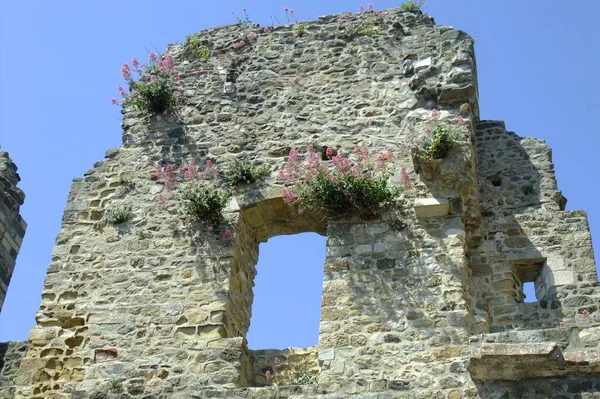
(287, 292)
(529, 292)
(532, 277)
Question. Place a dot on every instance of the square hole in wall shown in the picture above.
(531, 276)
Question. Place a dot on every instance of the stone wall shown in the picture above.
(418, 302)
(12, 225)
(11, 354)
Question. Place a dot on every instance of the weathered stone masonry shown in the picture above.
(12, 225)
(425, 301)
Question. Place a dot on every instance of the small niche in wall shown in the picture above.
(495, 180)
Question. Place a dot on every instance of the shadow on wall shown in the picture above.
(526, 235)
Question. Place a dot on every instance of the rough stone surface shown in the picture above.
(11, 354)
(411, 308)
(12, 225)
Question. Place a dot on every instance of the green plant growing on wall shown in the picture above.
(438, 140)
(155, 91)
(117, 213)
(364, 29)
(304, 375)
(300, 372)
(344, 187)
(193, 46)
(244, 172)
(442, 140)
(528, 190)
(412, 6)
(115, 385)
(199, 197)
(365, 23)
(126, 181)
(300, 29)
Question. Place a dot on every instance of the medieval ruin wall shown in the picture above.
(424, 301)
(12, 225)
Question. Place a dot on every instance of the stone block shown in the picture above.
(431, 207)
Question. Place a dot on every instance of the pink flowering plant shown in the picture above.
(344, 185)
(197, 193)
(155, 90)
(437, 138)
(367, 22)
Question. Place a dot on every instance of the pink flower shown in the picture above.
(286, 9)
(341, 21)
(460, 119)
(370, 6)
(210, 229)
(361, 8)
(239, 44)
(300, 212)
(268, 374)
(152, 57)
(136, 64)
(233, 192)
(114, 101)
(562, 324)
(329, 152)
(267, 30)
(251, 36)
(227, 233)
(291, 10)
(585, 313)
(153, 78)
(244, 9)
(169, 62)
(122, 91)
(404, 176)
(162, 202)
(126, 72)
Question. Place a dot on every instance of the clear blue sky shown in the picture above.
(538, 62)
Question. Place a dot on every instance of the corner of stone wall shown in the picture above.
(12, 225)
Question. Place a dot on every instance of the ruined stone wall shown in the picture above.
(12, 225)
(526, 234)
(11, 354)
(414, 301)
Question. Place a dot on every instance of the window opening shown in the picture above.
(529, 292)
(287, 293)
(533, 280)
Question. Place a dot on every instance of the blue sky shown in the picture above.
(60, 65)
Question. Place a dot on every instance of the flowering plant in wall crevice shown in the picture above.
(433, 143)
(341, 187)
(199, 197)
(155, 90)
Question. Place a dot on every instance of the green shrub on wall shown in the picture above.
(344, 186)
(437, 138)
(155, 91)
